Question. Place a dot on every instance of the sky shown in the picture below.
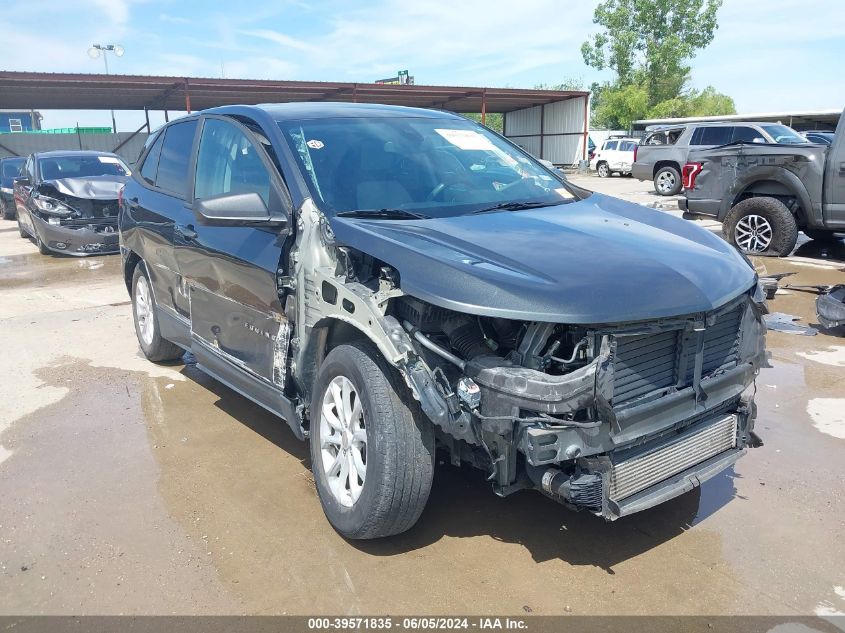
(769, 55)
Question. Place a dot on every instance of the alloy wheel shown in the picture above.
(144, 310)
(343, 441)
(603, 170)
(753, 233)
(665, 182)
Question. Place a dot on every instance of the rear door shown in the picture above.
(237, 320)
(158, 209)
(610, 154)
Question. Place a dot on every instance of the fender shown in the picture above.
(809, 213)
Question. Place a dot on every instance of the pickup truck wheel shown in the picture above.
(372, 453)
(821, 235)
(667, 181)
(155, 348)
(603, 170)
(761, 226)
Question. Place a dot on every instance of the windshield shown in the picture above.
(56, 167)
(433, 167)
(784, 134)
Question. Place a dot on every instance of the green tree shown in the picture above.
(651, 40)
(494, 120)
(648, 44)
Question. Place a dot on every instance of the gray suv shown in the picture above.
(663, 152)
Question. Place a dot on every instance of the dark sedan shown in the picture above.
(68, 201)
(10, 167)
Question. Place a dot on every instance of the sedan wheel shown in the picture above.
(753, 233)
(343, 441)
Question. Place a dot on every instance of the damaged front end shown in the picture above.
(612, 419)
(77, 216)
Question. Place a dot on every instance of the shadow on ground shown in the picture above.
(462, 505)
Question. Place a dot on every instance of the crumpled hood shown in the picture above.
(94, 187)
(599, 260)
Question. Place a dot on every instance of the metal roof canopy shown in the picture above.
(801, 121)
(67, 91)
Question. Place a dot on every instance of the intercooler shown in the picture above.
(632, 474)
(647, 363)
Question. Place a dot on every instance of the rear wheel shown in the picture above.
(603, 170)
(761, 226)
(667, 181)
(372, 453)
(9, 212)
(155, 348)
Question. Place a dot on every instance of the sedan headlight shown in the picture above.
(8, 191)
(51, 206)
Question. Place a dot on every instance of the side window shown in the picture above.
(716, 135)
(228, 162)
(611, 145)
(150, 166)
(627, 146)
(747, 135)
(175, 158)
(29, 168)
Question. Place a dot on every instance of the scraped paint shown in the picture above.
(828, 416)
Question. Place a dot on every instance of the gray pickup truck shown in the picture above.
(663, 152)
(765, 194)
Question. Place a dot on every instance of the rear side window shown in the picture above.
(175, 158)
(627, 146)
(712, 135)
(148, 169)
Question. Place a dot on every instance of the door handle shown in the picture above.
(186, 231)
(842, 168)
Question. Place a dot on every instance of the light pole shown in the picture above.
(94, 53)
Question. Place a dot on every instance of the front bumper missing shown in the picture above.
(625, 482)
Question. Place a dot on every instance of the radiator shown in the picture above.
(630, 476)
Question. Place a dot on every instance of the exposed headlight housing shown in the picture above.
(51, 206)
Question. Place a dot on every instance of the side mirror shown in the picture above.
(233, 208)
(21, 180)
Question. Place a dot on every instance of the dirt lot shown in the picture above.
(128, 487)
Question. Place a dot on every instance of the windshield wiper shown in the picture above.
(514, 206)
(387, 214)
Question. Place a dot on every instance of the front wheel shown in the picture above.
(155, 348)
(761, 226)
(21, 230)
(372, 453)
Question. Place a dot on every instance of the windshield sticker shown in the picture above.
(564, 193)
(109, 159)
(315, 144)
(466, 139)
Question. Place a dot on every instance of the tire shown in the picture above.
(667, 181)
(8, 214)
(821, 235)
(398, 451)
(42, 247)
(155, 348)
(21, 230)
(761, 226)
(603, 170)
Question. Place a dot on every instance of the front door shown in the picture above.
(834, 180)
(231, 270)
